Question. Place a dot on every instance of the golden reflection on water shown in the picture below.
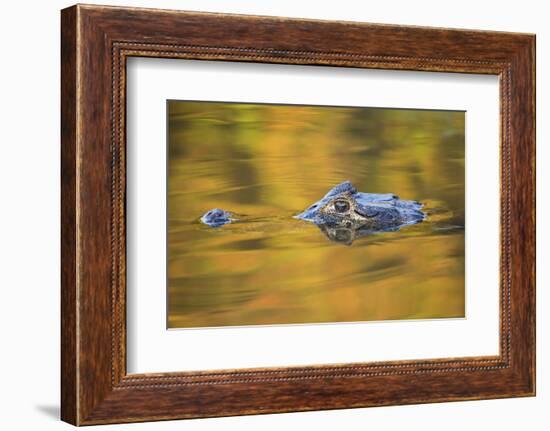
(269, 162)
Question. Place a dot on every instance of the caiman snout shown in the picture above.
(216, 217)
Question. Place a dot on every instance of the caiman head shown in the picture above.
(340, 207)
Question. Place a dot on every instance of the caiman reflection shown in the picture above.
(345, 235)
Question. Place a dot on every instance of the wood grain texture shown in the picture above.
(69, 397)
(96, 41)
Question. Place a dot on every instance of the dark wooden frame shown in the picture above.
(95, 42)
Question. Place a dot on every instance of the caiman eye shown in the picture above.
(341, 206)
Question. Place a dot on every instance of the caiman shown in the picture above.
(345, 214)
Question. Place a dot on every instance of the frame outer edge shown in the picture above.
(533, 53)
(532, 79)
(69, 301)
(523, 216)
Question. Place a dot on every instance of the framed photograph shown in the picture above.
(263, 214)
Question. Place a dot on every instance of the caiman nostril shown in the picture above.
(216, 217)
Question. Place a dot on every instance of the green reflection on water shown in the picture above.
(269, 162)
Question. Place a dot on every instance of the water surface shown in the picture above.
(267, 163)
